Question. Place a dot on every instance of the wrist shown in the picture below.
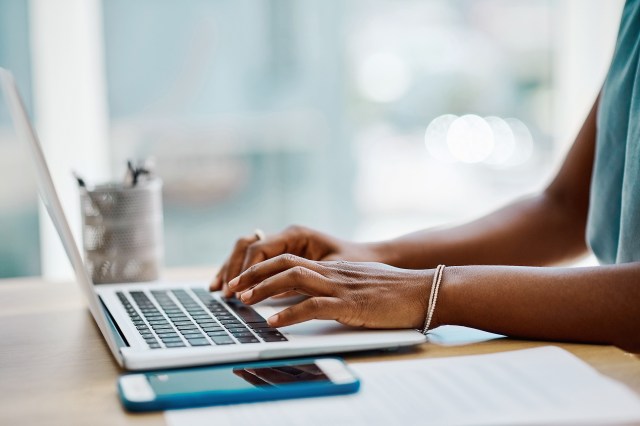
(445, 312)
(382, 252)
(419, 297)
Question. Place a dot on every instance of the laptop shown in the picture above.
(164, 324)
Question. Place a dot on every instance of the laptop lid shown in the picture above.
(49, 197)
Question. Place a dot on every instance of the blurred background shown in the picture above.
(365, 119)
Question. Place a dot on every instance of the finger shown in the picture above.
(226, 292)
(237, 257)
(268, 248)
(298, 279)
(292, 240)
(216, 283)
(287, 294)
(325, 308)
(263, 270)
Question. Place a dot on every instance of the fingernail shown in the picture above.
(273, 319)
(233, 282)
(246, 295)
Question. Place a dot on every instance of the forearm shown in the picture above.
(534, 231)
(543, 230)
(595, 305)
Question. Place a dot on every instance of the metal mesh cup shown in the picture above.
(122, 231)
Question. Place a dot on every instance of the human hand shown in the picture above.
(361, 294)
(297, 240)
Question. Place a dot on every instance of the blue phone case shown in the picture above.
(236, 396)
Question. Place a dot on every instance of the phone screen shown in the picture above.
(212, 379)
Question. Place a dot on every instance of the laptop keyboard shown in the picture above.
(175, 319)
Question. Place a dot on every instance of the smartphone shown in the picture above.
(229, 384)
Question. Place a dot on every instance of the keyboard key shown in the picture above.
(154, 316)
(178, 317)
(245, 312)
(199, 342)
(207, 320)
(237, 329)
(189, 302)
(222, 340)
(171, 339)
(212, 328)
(217, 333)
(234, 325)
(271, 338)
(175, 345)
(190, 326)
(238, 334)
(162, 327)
(171, 334)
(248, 340)
(226, 320)
(256, 325)
(189, 333)
(267, 332)
(179, 323)
(154, 345)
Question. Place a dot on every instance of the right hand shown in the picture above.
(298, 240)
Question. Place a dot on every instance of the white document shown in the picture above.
(533, 386)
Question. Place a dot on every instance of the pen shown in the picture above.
(81, 182)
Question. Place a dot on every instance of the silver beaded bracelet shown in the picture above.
(433, 298)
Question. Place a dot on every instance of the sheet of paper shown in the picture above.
(542, 385)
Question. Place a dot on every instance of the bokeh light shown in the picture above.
(470, 139)
(492, 141)
(435, 138)
(503, 142)
(523, 149)
(383, 77)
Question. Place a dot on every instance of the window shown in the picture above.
(365, 118)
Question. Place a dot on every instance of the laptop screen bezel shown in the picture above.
(51, 201)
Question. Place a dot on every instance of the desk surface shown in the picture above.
(56, 369)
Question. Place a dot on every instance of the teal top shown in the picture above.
(613, 229)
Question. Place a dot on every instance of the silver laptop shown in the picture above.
(175, 324)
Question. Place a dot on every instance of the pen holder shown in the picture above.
(122, 231)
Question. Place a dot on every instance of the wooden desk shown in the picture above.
(56, 369)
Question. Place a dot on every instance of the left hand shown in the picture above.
(361, 294)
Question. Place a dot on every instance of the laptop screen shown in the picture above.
(50, 198)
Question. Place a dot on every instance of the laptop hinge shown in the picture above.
(121, 341)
